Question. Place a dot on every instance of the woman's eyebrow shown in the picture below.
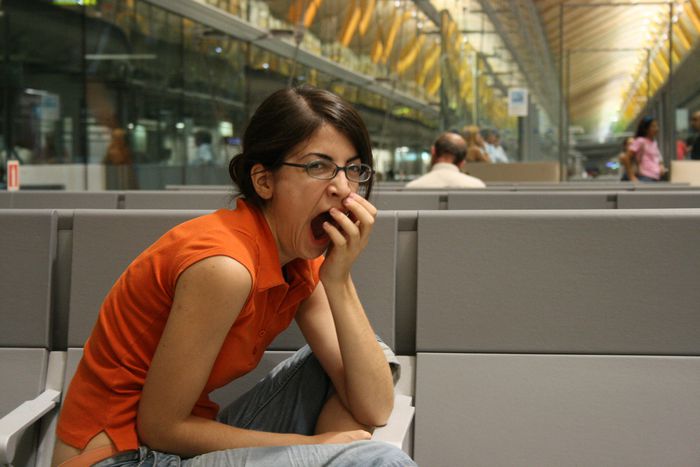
(326, 156)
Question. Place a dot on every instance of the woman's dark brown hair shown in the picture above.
(286, 119)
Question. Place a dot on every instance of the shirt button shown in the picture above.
(261, 333)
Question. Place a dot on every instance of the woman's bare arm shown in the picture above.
(208, 298)
(335, 325)
(627, 160)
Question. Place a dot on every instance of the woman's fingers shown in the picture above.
(364, 203)
(363, 211)
(335, 235)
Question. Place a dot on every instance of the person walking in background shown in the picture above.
(448, 155)
(693, 141)
(645, 152)
(476, 151)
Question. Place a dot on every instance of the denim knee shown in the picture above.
(381, 454)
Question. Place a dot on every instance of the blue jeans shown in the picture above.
(288, 400)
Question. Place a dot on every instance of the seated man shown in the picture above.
(448, 156)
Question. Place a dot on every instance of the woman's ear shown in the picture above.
(262, 181)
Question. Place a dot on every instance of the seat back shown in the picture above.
(409, 200)
(532, 200)
(685, 172)
(655, 200)
(56, 199)
(558, 337)
(104, 243)
(208, 200)
(547, 171)
(28, 254)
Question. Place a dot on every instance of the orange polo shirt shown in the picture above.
(105, 391)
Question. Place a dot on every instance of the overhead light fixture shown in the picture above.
(120, 56)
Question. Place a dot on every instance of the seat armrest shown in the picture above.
(398, 427)
(13, 424)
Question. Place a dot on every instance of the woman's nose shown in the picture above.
(340, 185)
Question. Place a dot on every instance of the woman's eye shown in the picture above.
(316, 165)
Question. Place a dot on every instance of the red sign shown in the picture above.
(12, 175)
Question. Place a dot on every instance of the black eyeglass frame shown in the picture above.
(338, 168)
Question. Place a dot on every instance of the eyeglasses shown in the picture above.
(323, 169)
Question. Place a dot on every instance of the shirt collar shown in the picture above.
(445, 166)
(270, 272)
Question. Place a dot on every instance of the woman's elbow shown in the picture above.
(152, 433)
(377, 415)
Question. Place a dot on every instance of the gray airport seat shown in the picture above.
(579, 281)
(408, 200)
(28, 252)
(532, 200)
(211, 200)
(104, 243)
(557, 410)
(27, 391)
(5, 199)
(546, 338)
(55, 199)
(655, 200)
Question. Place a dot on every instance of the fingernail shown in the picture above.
(347, 200)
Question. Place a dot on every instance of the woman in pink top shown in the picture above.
(645, 152)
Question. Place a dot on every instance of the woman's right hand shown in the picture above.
(341, 437)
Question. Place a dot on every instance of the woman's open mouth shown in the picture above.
(317, 225)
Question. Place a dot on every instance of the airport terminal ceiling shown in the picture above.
(614, 55)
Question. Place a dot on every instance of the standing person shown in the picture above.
(693, 141)
(119, 155)
(448, 155)
(645, 152)
(118, 151)
(476, 151)
(198, 308)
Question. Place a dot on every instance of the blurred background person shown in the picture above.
(645, 152)
(693, 141)
(624, 177)
(122, 175)
(493, 147)
(118, 151)
(203, 153)
(448, 155)
(476, 151)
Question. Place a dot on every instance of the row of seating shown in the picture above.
(387, 200)
(531, 337)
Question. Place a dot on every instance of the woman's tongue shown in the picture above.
(317, 225)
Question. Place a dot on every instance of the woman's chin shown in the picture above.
(320, 244)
